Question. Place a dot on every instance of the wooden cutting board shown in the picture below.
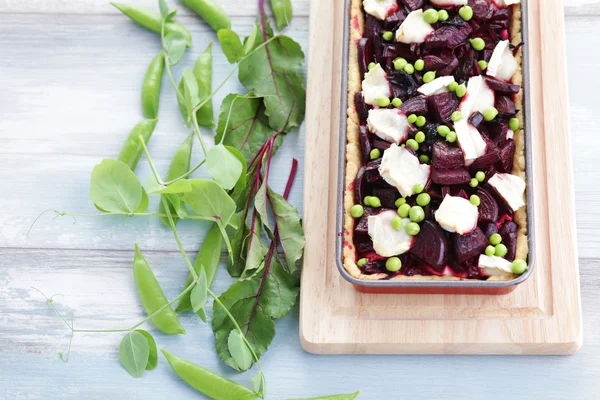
(543, 316)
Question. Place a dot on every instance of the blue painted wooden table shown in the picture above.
(69, 92)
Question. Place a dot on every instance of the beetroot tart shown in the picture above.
(435, 163)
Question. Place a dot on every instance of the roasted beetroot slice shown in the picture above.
(462, 193)
(497, 130)
(365, 144)
(361, 107)
(508, 231)
(402, 84)
(468, 66)
(388, 196)
(374, 267)
(445, 156)
(442, 105)
(446, 191)
(483, 11)
(488, 208)
(415, 105)
(449, 68)
(360, 186)
(431, 246)
(381, 144)
(440, 61)
(500, 86)
(393, 50)
(394, 20)
(505, 106)
(487, 160)
(413, 5)
(507, 156)
(372, 171)
(364, 246)
(476, 119)
(469, 246)
(488, 228)
(447, 37)
(365, 55)
(456, 176)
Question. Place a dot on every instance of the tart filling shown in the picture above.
(435, 162)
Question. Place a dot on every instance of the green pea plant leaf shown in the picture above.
(231, 45)
(115, 188)
(261, 230)
(134, 353)
(153, 350)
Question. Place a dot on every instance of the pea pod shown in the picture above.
(132, 149)
(180, 164)
(282, 10)
(213, 385)
(152, 20)
(151, 86)
(208, 258)
(211, 12)
(203, 73)
(153, 298)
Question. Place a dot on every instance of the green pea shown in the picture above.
(514, 124)
(393, 264)
(490, 251)
(495, 239)
(466, 13)
(416, 214)
(519, 266)
(443, 15)
(456, 116)
(396, 102)
(429, 76)
(474, 183)
(461, 90)
(397, 223)
(424, 158)
(412, 228)
(362, 262)
(383, 101)
(413, 144)
(367, 201)
(357, 211)
(482, 65)
(431, 16)
(480, 176)
(420, 65)
(151, 86)
(371, 65)
(451, 137)
(418, 188)
(403, 210)
(409, 69)
(212, 13)
(475, 200)
(388, 35)
(375, 154)
(180, 165)
(412, 118)
(420, 137)
(132, 149)
(453, 86)
(501, 250)
(443, 130)
(400, 63)
(490, 114)
(477, 43)
(400, 201)
(421, 121)
(375, 202)
(423, 199)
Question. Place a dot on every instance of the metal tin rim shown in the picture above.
(463, 284)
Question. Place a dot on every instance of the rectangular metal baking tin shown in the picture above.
(436, 286)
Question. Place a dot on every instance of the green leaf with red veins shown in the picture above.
(254, 304)
(272, 72)
(208, 199)
(290, 229)
(244, 125)
(256, 251)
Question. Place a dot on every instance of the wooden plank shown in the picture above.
(543, 316)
